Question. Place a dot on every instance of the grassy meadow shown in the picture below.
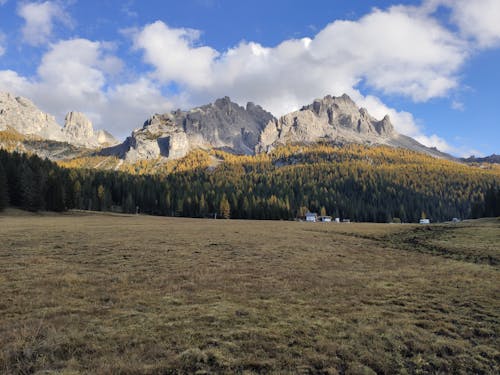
(118, 294)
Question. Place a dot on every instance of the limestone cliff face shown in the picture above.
(78, 126)
(21, 115)
(222, 124)
(160, 137)
(328, 119)
(24, 117)
(79, 131)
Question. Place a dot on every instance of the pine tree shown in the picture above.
(224, 208)
(101, 192)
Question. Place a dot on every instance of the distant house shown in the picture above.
(346, 221)
(337, 219)
(325, 219)
(424, 221)
(311, 217)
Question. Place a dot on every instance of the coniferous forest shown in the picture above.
(375, 184)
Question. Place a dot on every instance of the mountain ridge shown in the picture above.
(222, 124)
(23, 116)
(251, 129)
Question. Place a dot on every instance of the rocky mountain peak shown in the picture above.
(331, 118)
(23, 116)
(78, 130)
(78, 126)
(26, 118)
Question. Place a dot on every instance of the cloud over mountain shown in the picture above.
(403, 51)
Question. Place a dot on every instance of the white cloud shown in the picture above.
(173, 52)
(39, 20)
(478, 19)
(397, 51)
(401, 51)
(75, 73)
(435, 141)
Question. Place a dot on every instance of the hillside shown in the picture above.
(361, 183)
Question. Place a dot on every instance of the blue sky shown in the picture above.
(432, 64)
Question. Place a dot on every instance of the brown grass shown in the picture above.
(84, 293)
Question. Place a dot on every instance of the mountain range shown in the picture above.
(222, 124)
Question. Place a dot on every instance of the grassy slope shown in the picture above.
(109, 293)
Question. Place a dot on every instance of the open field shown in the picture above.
(102, 293)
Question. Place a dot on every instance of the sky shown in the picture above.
(432, 65)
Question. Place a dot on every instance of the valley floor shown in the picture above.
(103, 293)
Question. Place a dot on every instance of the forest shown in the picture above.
(361, 183)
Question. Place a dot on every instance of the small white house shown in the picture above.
(326, 219)
(311, 217)
(425, 221)
(337, 219)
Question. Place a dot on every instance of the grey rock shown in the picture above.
(222, 124)
(23, 116)
(160, 137)
(336, 119)
(79, 131)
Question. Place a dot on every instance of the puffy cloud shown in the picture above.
(129, 104)
(435, 141)
(398, 51)
(39, 20)
(402, 51)
(478, 19)
(75, 73)
(173, 52)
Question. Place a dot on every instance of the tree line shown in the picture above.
(376, 184)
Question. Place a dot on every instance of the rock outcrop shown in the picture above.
(160, 137)
(21, 115)
(24, 117)
(78, 130)
(336, 119)
(222, 124)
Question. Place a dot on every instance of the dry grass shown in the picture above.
(131, 295)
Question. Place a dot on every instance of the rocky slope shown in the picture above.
(78, 130)
(24, 117)
(224, 124)
(21, 115)
(336, 119)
